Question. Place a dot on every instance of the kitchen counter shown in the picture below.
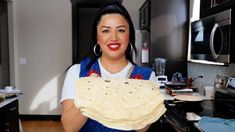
(7, 101)
(176, 114)
(178, 117)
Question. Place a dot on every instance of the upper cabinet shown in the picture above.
(209, 7)
(144, 12)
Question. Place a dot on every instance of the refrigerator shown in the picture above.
(169, 34)
(142, 45)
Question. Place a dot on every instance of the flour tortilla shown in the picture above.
(123, 104)
(128, 124)
(121, 113)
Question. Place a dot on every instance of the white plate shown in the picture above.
(191, 98)
(13, 91)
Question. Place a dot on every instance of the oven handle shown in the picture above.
(212, 40)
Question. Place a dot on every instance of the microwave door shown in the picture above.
(200, 39)
(213, 44)
(211, 39)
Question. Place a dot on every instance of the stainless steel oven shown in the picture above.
(212, 39)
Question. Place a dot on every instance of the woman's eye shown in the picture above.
(122, 30)
(105, 31)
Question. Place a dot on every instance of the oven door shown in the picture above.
(210, 38)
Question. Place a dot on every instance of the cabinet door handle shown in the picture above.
(13, 108)
(7, 123)
(212, 47)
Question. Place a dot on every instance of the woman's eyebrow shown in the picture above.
(121, 26)
(117, 26)
(105, 27)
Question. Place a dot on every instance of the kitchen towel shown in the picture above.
(212, 124)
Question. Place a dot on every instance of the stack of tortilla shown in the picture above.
(124, 104)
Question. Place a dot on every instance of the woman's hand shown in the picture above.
(94, 75)
(72, 118)
(145, 129)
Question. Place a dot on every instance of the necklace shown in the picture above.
(130, 72)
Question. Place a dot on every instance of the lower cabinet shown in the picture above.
(9, 117)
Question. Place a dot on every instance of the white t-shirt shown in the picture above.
(68, 91)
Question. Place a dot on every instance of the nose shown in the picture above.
(114, 36)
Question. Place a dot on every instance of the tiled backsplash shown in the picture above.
(209, 72)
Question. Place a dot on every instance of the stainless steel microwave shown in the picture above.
(212, 39)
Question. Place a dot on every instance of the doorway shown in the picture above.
(4, 46)
(84, 25)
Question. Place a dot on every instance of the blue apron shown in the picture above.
(136, 73)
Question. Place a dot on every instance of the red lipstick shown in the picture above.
(114, 46)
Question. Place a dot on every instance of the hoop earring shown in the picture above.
(94, 49)
(131, 49)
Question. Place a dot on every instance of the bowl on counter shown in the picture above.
(2, 97)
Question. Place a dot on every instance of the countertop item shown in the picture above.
(11, 93)
(176, 85)
(189, 98)
(2, 97)
(212, 124)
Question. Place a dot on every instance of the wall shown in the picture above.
(209, 71)
(40, 41)
(41, 37)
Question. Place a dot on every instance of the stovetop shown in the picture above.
(205, 108)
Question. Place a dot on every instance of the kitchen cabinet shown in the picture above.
(9, 116)
(144, 13)
(208, 7)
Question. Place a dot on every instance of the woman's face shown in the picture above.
(113, 35)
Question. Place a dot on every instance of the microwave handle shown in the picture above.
(212, 40)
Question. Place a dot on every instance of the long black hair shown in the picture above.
(111, 8)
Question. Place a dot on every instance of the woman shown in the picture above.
(113, 42)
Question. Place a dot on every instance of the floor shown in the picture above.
(42, 126)
(55, 126)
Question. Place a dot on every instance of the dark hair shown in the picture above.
(110, 8)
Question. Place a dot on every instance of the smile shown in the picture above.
(114, 46)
